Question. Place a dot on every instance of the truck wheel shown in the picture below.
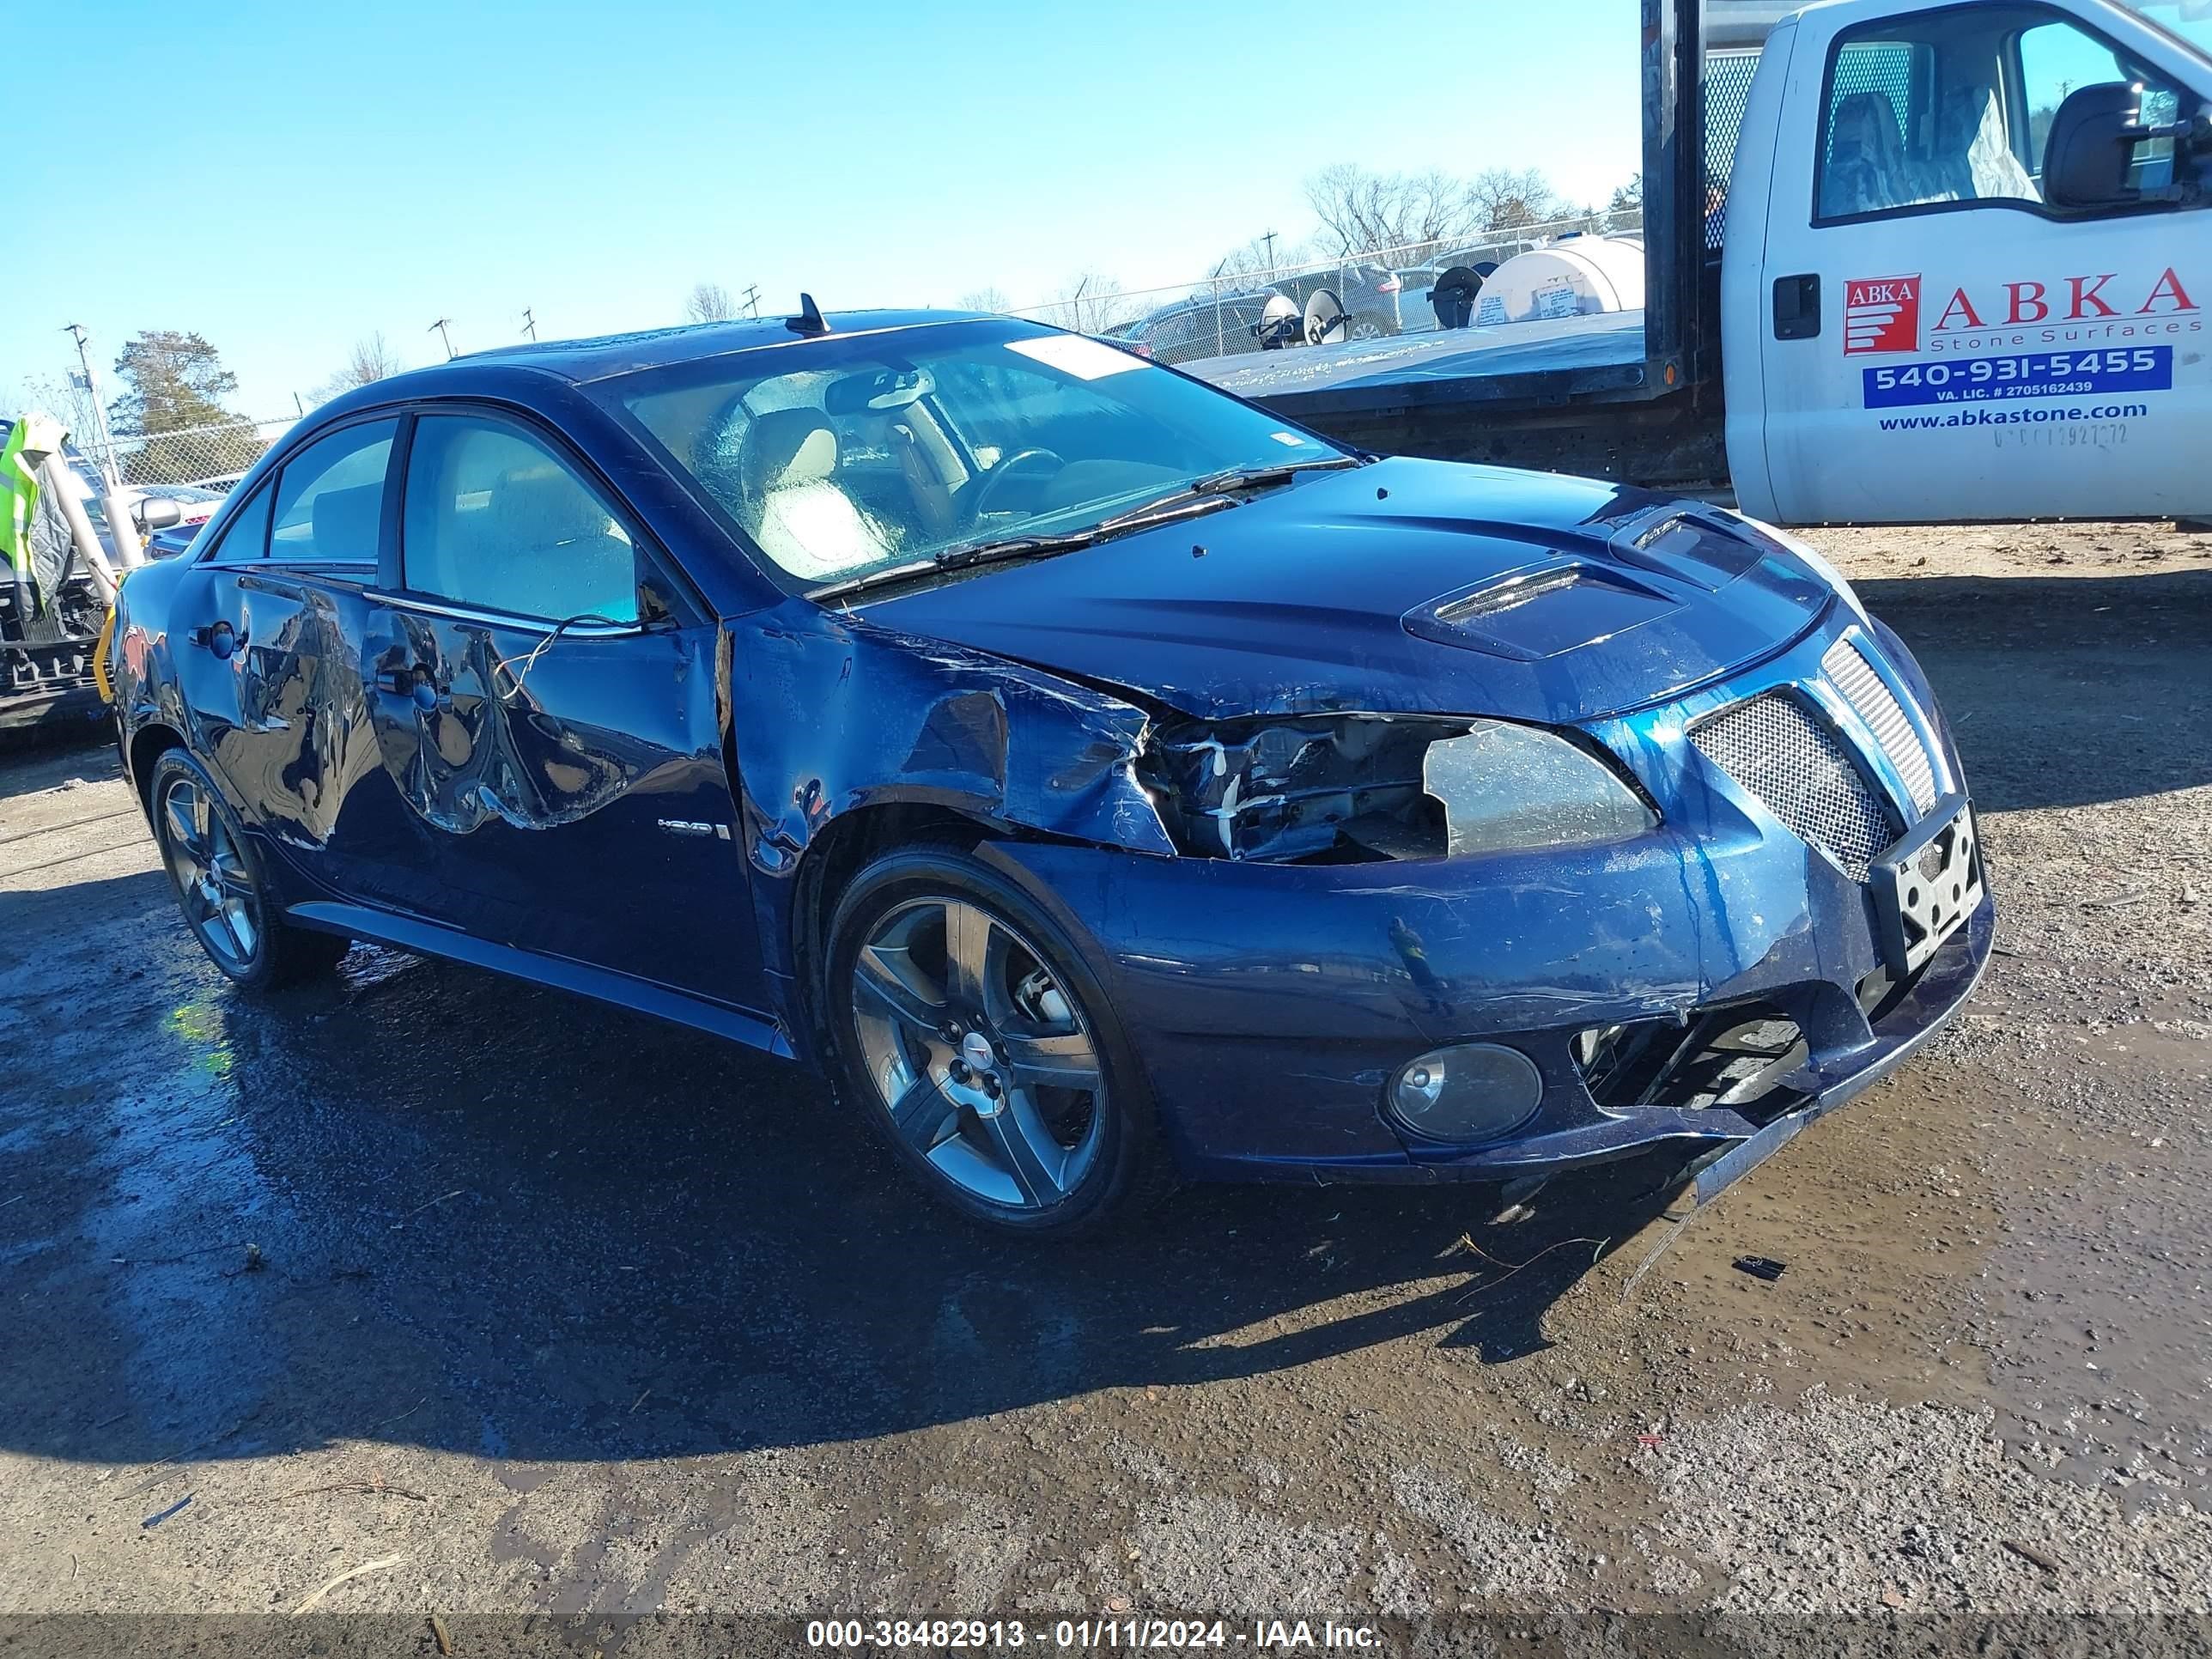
(219, 885)
(970, 1030)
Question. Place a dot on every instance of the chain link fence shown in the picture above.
(1383, 291)
(207, 457)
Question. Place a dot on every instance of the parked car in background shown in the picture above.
(1207, 326)
(1370, 295)
(1123, 778)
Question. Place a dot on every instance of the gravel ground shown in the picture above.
(551, 1309)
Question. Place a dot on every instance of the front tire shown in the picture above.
(969, 1028)
(226, 901)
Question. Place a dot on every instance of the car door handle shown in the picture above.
(1797, 306)
(219, 637)
(413, 682)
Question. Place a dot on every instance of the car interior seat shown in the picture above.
(792, 506)
(561, 555)
(1864, 170)
(344, 522)
(1975, 158)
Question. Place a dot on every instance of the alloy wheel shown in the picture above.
(214, 882)
(979, 1053)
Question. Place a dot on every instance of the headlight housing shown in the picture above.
(1344, 789)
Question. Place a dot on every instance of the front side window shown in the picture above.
(1956, 106)
(330, 497)
(494, 517)
(841, 456)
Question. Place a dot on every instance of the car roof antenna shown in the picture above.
(809, 320)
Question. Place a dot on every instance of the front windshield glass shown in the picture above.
(841, 456)
(2192, 20)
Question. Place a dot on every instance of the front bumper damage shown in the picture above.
(1714, 985)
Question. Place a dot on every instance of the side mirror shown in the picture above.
(2093, 140)
(153, 512)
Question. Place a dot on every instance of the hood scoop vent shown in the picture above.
(1540, 613)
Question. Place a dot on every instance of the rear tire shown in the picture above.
(970, 1030)
(219, 885)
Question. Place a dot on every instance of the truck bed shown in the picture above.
(1541, 362)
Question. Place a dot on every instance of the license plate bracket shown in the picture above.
(1927, 884)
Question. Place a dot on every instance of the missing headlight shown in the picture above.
(1356, 788)
(1343, 787)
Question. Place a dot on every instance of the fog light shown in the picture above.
(1470, 1092)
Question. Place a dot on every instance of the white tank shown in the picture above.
(1576, 278)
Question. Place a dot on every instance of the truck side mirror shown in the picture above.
(2091, 143)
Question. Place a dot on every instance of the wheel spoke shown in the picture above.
(1063, 1061)
(968, 955)
(924, 1114)
(201, 819)
(238, 923)
(1024, 1148)
(181, 810)
(885, 975)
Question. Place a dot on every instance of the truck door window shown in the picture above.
(2057, 59)
(1946, 109)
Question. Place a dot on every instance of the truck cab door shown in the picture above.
(1981, 289)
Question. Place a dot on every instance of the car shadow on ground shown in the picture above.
(2117, 667)
(430, 1206)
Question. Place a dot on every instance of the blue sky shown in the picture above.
(334, 171)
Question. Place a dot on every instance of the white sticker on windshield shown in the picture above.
(1290, 438)
(1072, 354)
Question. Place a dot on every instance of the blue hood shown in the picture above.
(1406, 586)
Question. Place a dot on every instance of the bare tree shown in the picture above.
(709, 302)
(1257, 261)
(1089, 304)
(1406, 215)
(370, 361)
(61, 397)
(986, 299)
(1500, 198)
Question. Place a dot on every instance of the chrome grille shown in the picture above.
(1847, 668)
(1794, 766)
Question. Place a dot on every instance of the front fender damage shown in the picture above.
(865, 716)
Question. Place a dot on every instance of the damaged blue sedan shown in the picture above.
(1092, 774)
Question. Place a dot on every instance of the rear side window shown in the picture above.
(494, 517)
(246, 535)
(329, 499)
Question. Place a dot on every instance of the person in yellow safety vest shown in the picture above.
(19, 484)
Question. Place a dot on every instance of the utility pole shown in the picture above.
(101, 434)
(1268, 237)
(752, 298)
(438, 328)
(529, 323)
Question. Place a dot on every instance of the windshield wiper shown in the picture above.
(1164, 510)
(1201, 495)
(1262, 477)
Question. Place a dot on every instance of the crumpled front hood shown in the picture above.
(1406, 586)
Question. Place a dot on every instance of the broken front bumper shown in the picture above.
(1272, 1005)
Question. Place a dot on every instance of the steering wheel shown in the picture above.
(987, 491)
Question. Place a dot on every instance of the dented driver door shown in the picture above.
(549, 710)
(1980, 298)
